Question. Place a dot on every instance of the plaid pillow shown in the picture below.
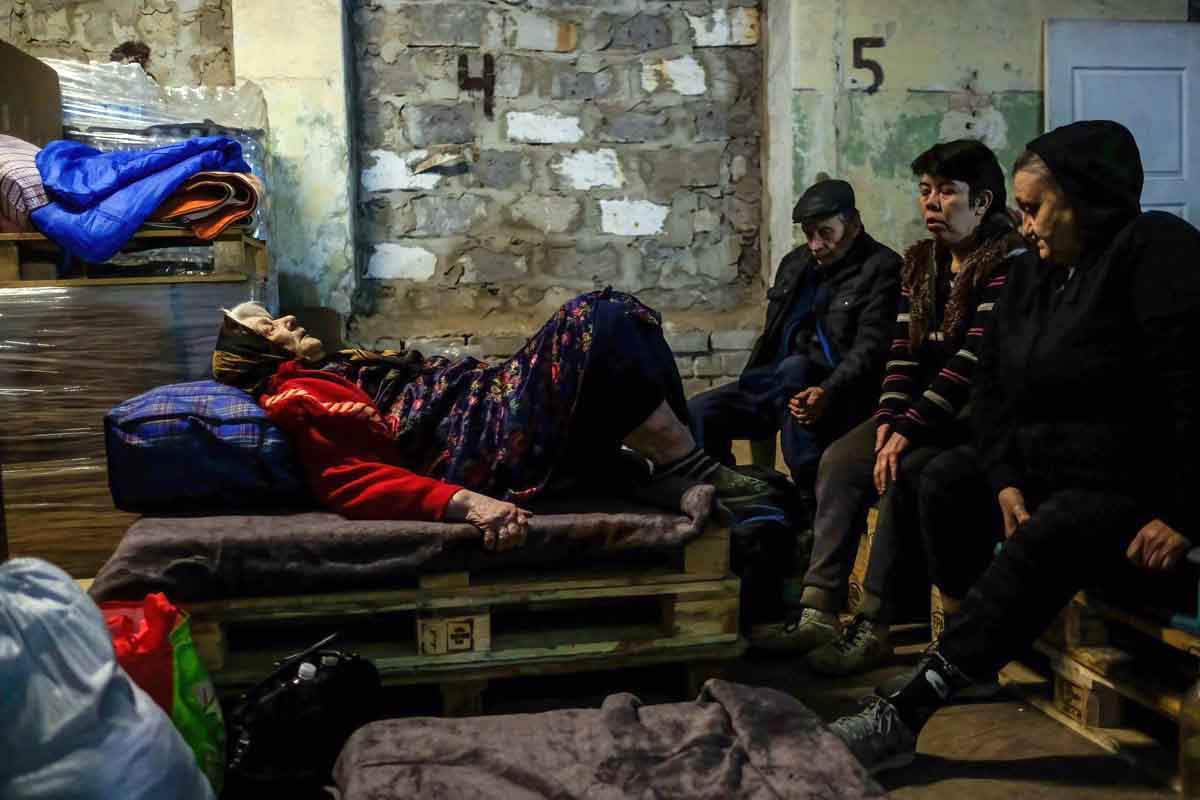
(21, 190)
(200, 446)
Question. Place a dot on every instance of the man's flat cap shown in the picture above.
(823, 199)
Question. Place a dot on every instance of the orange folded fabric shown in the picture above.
(209, 202)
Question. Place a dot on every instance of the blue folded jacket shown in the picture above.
(200, 446)
(99, 200)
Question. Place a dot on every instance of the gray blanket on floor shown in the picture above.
(733, 741)
(218, 557)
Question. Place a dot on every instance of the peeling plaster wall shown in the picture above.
(296, 50)
(623, 151)
(952, 69)
(190, 41)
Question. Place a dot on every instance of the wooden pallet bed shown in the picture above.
(460, 630)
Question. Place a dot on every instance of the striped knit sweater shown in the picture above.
(927, 389)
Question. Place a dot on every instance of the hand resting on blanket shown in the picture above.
(504, 525)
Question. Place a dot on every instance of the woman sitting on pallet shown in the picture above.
(1085, 424)
(950, 283)
(395, 435)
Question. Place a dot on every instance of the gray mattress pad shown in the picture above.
(198, 558)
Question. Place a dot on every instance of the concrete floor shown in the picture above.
(983, 751)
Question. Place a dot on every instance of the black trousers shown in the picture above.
(631, 371)
(845, 491)
(959, 520)
(1075, 539)
(721, 415)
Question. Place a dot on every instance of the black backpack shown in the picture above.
(286, 732)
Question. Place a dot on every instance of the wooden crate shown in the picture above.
(461, 630)
(1103, 666)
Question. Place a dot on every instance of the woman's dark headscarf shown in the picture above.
(1099, 167)
(244, 358)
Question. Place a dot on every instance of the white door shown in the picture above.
(1145, 75)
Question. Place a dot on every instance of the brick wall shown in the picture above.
(623, 150)
(190, 41)
(705, 359)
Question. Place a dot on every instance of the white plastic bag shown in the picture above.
(72, 723)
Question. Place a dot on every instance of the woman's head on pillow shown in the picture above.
(252, 344)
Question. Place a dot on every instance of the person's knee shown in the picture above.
(704, 406)
(841, 461)
(945, 477)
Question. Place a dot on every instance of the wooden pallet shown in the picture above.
(1105, 665)
(858, 573)
(236, 257)
(461, 630)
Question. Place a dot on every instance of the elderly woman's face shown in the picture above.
(947, 209)
(1047, 218)
(285, 332)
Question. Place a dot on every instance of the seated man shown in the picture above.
(814, 372)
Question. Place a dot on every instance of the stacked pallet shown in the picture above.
(1116, 677)
(461, 630)
(69, 351)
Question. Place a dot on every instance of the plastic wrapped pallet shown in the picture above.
(67, 355)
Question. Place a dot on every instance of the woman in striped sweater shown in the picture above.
(950, 283)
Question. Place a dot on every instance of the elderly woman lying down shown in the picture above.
(395, 435)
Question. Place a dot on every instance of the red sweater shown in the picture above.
(348, 450)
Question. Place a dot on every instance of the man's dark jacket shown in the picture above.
(857, 314)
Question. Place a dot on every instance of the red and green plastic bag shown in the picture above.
(154, 645)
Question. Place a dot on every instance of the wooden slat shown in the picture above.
(445, 580)
(232, 256)
(216, 277)
(262, 260)
(709, 554)
(862, 557)
(1077, 625)
(1180, 640)
(10, 262)
(704, 615)
(512, 655)
(332, 606)
(145, 233)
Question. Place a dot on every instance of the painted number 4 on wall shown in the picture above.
(874, 67)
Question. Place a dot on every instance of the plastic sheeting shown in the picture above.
(67, 355)
(72, 723)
